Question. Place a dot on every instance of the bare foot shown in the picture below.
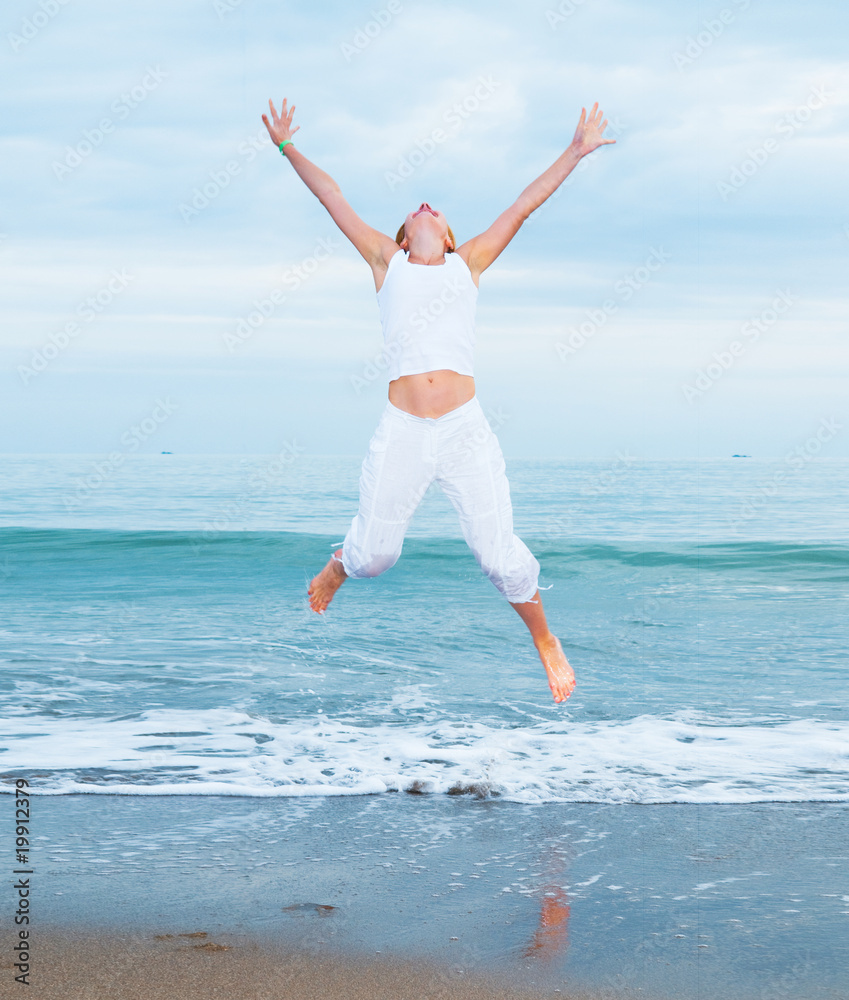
(329, 580)
(561, 679)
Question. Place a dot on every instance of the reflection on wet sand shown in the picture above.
(551, 938)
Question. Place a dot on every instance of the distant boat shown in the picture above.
(741, 456)
(171, 453)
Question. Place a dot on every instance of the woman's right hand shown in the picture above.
(588, 135)
(280, 127)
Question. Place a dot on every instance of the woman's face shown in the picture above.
(428, 218)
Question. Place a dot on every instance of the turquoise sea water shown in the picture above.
(156, 637)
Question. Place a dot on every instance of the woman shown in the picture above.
(433, 428)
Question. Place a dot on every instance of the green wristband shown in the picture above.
(284, 143)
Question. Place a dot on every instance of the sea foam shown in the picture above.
(687, 757)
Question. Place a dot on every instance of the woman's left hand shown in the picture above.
(588, 134)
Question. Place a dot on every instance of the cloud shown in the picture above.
(154, 114)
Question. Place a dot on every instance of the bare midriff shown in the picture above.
(431, 394)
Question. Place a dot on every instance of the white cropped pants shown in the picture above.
(460, 452)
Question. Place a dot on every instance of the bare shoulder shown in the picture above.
(374, 247)
(480, 251)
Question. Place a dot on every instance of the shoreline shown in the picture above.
(198, 965)
(430, 896)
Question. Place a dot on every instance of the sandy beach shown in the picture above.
(196, 965)
(430, 896)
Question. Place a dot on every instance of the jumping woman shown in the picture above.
(433, 428)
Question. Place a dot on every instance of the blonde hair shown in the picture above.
(402, 234)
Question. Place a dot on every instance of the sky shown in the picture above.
(169, 283)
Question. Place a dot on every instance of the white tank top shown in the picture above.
(428, 316)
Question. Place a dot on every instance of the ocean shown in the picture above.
(156, 638)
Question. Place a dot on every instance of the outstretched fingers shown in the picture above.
(286, 114)
(283, 112)
(271, 125)
(280, 126)
(601, 129)
(593, 127)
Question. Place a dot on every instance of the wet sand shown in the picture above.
(424, 897)
(197, 965)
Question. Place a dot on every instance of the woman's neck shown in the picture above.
(428, 253)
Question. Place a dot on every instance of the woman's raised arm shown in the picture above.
(370, 243)
(481, 251)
